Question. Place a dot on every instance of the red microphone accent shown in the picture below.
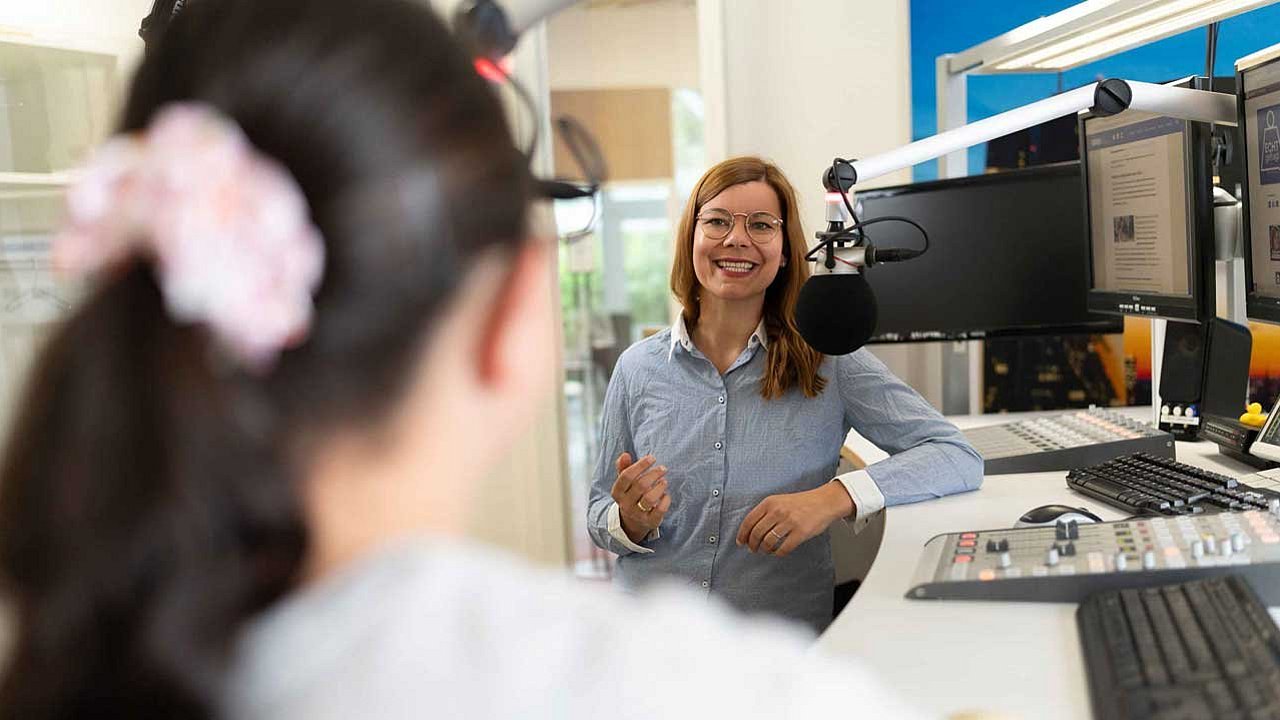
(494, 72)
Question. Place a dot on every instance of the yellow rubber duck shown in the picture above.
(1254, 417)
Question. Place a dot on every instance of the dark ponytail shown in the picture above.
(148, 492)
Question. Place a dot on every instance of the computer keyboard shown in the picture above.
(1143, 484)
(1202, 649)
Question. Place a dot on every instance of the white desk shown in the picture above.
(1018, 659)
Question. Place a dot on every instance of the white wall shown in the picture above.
(103, 25)
(831, 78)
(803, 82)
(652, 44)
(97, 17)
(523, 505)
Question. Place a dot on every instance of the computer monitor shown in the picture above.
(1006, 257)
(1149, 216)
(1258, 104)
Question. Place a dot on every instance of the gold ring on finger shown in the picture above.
(640, 504)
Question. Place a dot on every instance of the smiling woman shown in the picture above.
(728, 424)
(767, 265)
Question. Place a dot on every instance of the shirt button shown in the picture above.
(720, 399)
(719, 444)
(706, 583)
(712, 539)
(715, 493)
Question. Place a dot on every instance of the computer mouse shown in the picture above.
(1051, 514)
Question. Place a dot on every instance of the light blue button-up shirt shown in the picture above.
(726, 449)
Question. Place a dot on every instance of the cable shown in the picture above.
(1210, 51)
(582, 146)
(529, 104)
(835, 173)
(586, 153)
(855, 233)
(1219, 145)
(893, 254)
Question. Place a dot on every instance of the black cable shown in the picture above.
(851, 233)
(899, 218)
(855, 232)
(582, 146)
(1210, 59)
(529, 104)
(835, 173)
(1210, 51)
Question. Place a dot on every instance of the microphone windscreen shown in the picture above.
(836, 314)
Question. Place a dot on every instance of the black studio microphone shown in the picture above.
(836, 311)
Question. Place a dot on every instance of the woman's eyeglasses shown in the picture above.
(761, 226)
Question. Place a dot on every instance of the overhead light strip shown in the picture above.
(1114, 35)
(1171, 26)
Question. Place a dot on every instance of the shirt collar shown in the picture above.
(680, 336)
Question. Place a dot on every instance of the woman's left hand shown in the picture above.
(781, 523)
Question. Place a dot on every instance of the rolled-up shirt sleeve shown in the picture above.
(928, 456)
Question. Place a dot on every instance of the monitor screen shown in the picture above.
(1007, 257)
(1140, 202)
(1259, 118)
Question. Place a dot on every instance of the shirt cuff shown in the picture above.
(616, 531)
(867, 498)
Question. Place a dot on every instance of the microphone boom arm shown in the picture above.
(1108, 97)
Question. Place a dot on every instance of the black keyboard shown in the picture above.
(1203, 649)
(1143, 484)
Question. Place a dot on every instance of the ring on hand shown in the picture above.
(640, 504)
(781, 539)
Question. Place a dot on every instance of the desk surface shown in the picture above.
(1019, 659)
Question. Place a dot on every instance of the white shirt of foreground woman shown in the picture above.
(432, 629)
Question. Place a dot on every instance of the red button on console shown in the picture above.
(968, 535)
(967, 543)
(964, 558)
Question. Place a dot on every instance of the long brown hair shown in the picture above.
(792, 363)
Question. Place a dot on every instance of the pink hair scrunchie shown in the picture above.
(226, 228)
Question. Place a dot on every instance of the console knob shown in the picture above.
(1149, 560)
(1005, 560)
(1051, 557)
(1121, 561)
(1197, 549)
(1237, 541)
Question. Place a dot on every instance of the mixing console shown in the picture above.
(1064, 441)
(1068, 561)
